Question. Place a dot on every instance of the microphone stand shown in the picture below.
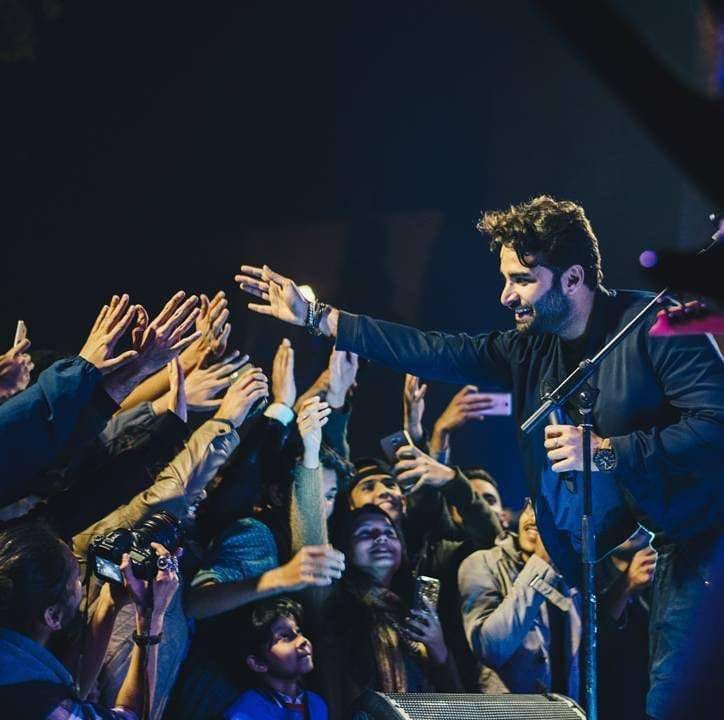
(551, 402)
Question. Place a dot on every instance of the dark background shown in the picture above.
(155, 146)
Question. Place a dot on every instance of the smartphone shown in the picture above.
(21, 332)
(502, 404)
(427, 588)
(392, 443)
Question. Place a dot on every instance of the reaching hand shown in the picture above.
(343, 368)
(640, 573)
(212, 323)
(413, 403)
(204, 384)
(424, 626)
(284, 387)
(177, 390)
(15, 368)
(312, 566)
(285, 301)
(468, 404)
(313, 416)
(112, 322)
(416, 468)
(251, 386)
(163, 338)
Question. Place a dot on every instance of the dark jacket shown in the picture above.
(661, 402)
(63, 411)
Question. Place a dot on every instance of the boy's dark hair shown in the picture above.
(261, 618)
(544, 231)
(35, 566)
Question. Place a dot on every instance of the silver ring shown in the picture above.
(166, 562)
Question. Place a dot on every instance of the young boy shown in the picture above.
(279, 656)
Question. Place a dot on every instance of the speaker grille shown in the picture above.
(445, 706)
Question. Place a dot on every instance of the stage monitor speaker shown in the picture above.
(464, 706)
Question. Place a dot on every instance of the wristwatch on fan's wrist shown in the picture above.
(604, 457)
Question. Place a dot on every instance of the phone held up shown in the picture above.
(426, 588)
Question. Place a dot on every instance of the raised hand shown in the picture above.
(112, 322)
(157, 342)
(312, 566)
(212, 323)
(313, 416)
(241, 396)
(343, 368)
(284, 387)
(15, 369)
(468, 404)
(424, 626)
(415, 468)
(282, 298)
(204, 384)
(413, 403)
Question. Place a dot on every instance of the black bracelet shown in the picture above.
(144, 640)
(315, 312)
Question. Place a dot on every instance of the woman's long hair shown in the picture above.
(371, 613)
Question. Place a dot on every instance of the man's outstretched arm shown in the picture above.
(457, 358)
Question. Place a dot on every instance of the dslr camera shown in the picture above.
(106, 551)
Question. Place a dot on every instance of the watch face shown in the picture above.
(605, 460)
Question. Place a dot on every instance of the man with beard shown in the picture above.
(658, 421)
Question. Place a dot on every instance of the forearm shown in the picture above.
(205, 601)
(455, 358)
(150, 389)
(308, 521)
(98, 634)
(440, 442)
(140, 681)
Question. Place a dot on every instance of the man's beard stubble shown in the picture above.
(551, 312)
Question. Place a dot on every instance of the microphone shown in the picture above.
(568, 478)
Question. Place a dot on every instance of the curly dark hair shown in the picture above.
(544, 231)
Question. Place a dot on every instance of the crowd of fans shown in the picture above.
(270, 572)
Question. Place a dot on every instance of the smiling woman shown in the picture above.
(370, 638)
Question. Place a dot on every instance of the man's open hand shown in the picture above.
(282, 297)
(112, 322)
(158, 342)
